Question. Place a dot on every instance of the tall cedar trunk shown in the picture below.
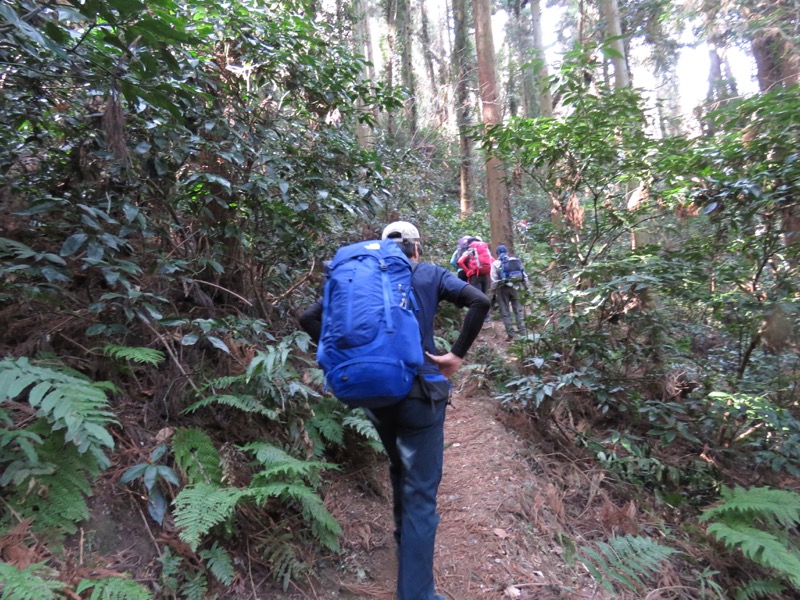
(405, 41)
(444, 78)
(610, 11)
(391, 43)
(461, 62)
(543, 74)
(777, 56)
(496, 191)
(363, 46)
(721, 87)
(427, 47)
(519, 53)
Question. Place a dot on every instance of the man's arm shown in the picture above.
(478, 306)
(311, 320)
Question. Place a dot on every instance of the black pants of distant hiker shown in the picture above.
(508, 299)
(483, 283)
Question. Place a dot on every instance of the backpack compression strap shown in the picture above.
(387, 295)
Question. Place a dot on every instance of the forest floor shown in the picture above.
(503, 502)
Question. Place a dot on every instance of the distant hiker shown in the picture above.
(461, 247)
(412, 429)
(508, 277)
(477, 264)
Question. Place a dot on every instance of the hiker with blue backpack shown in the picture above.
(374, 332)
(508, 279)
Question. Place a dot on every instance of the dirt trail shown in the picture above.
(496, 535)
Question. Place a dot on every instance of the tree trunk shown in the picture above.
(391, 43)
(542, 75)
(777, 57)
(427, 47)
(461, 63)
(363, 46)
(496, 190)
(610, 12)
(405, 42)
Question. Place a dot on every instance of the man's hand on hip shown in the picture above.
(448, 363)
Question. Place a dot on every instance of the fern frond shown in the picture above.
(759, 588)
(626, 560)
(224, 382)
(55, 497)
(28, 584)
(197, 457)
(200, 507)
(359, 422)
(170, 571)
(136, 354)
(284, 561)
(219, 563)
(323, 525)
(759, 546)
(114, 588)
(195, 587)
(326, 425)
(68, 402)
(781, 506)
(245, 403)
(279, 465)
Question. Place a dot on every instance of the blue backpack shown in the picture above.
(511, 270)
(370, 348)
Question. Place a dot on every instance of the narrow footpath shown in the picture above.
(500, 517)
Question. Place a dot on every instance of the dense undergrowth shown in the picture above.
(164, 217)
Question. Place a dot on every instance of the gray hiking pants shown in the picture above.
(508, 299)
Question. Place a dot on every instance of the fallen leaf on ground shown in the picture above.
(501, 533)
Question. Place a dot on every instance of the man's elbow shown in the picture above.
(483, 302)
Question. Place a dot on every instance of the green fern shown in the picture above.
(625, 560)
(28, 584)
(781, 507)
(114, 588)
(283, 559)
(197, 457)
(759, 588)
(195, 587)
(357, 420)
(199, 508)
(168, 580)
(326, 426)
(67, 402)
(762, 547)
(278, 464)
(136, 354)
(323, 525)
(243, 402)
(219, 563)
(759, 522)
(225, 382)
(62, 478)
